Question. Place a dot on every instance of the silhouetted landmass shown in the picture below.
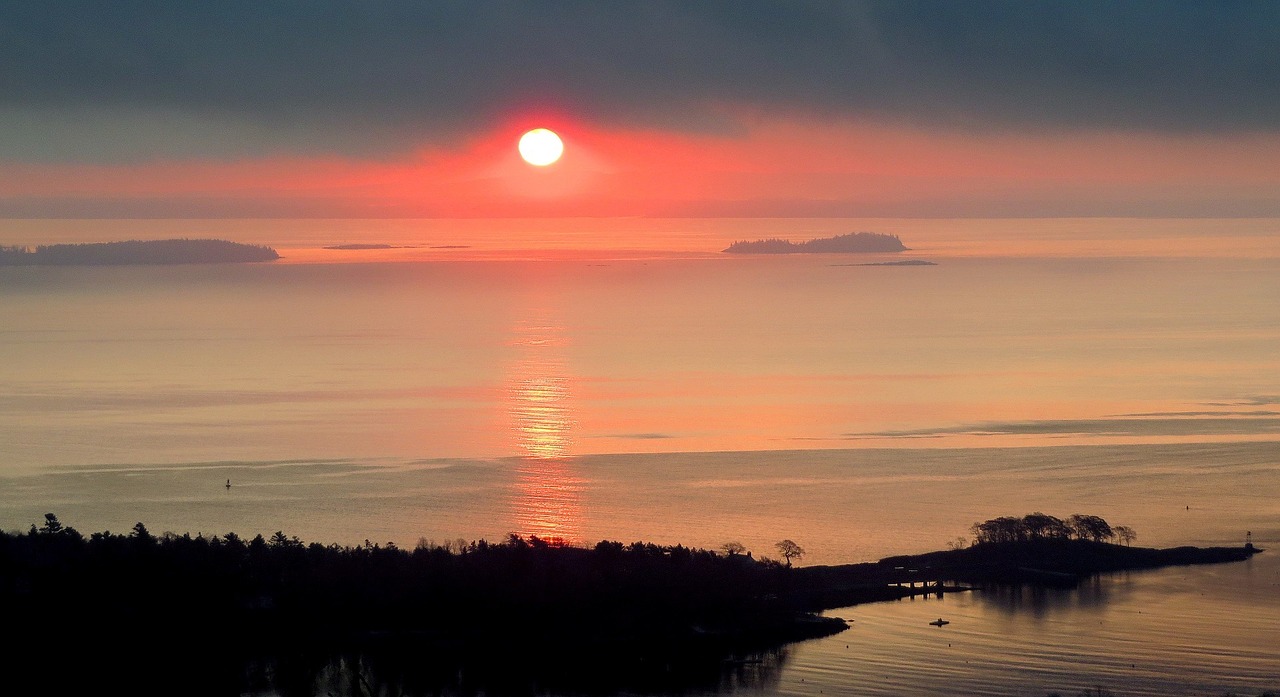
(1045, 562)
(1036, 549)
(137, 252)
(621, 616)
(358, 246)
(222, 615)
(1059, 561)
(853, 242)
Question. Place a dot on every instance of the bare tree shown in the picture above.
(1125, 533)
(733, 549)
(789, 550)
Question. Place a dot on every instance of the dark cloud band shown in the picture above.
(386, 69)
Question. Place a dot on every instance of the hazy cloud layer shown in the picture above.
(1261, 400)
(129, 79)
(75, 399)
(1094, 427)
(637, 436)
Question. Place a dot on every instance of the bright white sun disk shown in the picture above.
(541, 147)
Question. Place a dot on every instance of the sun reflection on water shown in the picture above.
(541, 413)
(547, 496)
(548, 500)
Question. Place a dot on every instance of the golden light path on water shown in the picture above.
(547, 501)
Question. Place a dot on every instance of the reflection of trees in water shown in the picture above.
(406, 668)
(1089, 594)
(760, 670)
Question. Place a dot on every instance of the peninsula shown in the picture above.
(149, 252)
(851, 243)
(209, 606)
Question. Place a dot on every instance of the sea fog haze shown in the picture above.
(620, 352)
(665, 392)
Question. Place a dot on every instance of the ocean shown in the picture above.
(623, 380)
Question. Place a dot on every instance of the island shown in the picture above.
(520, 616)
(851, 243)
(152, 252)
(362, 246)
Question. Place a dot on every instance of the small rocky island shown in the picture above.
(360, 246)
(150, 252)
(851, 243)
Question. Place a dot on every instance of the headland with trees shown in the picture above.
(223, 607)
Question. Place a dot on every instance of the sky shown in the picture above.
(668, 109)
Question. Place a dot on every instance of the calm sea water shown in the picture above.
(1198, 631)
(1129, 371)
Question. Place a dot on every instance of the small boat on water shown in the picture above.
(939, 622)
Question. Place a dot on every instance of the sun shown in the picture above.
(541, 147)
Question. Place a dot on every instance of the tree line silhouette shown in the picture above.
(222, 599)
(1040, 526)
(177, 251)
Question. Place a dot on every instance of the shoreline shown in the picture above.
(226, 604)
(1045, 563)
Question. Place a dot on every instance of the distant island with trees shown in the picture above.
(175, 251)
(201, 612)
(853, 242)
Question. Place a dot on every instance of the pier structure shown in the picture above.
(913, 582)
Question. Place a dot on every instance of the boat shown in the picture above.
(939, 622)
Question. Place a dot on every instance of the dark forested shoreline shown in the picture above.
(177, 251)
(276, 609)
(223, 607)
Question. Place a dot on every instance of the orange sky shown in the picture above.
(906, 109)
(778, 166)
